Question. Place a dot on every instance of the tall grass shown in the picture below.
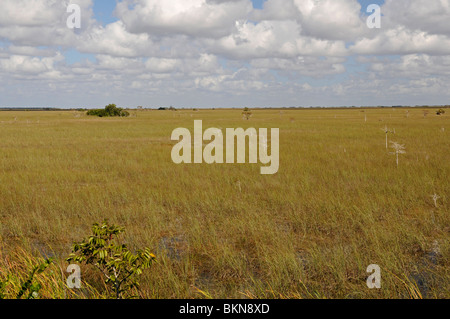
(337, 204)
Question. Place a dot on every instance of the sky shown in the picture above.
(224, 53)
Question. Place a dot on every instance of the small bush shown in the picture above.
(120, 267)
(110, 110)
(247, 113)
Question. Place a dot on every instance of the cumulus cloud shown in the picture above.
(308, 66)
(429, 16)
(198, 51)
(41, 22)
(114, 40)
(23, 67)
(331, 19)
(401, 40)
(208, 18)
(275, 39)
(412, 66)
(409, 27)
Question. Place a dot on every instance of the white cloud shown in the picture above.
(114, 40)
(324, 19)
(208, 18)
(416, 66)
(431, 16)
(224, 51)
(26, 65)
(331, 19)
(275, 39)
(401, 40)
(30, 13)
(41, 22)
(307, 66)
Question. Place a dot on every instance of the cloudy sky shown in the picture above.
(224, 53)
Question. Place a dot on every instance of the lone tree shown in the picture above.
(387, 131)
(247, 113)
(110, 110)
(398, 149)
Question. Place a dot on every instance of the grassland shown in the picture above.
(338, 203)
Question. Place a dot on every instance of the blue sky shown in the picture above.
(366, 3)
(104, 11)
(225, 54)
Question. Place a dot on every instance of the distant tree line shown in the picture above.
(27, 109)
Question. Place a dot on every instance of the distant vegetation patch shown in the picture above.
(171, 108)
(110, 110)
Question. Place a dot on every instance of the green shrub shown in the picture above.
(110, 110)
(120, 267)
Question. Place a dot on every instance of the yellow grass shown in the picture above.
(338, 203)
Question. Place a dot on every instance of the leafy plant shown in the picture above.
(30, 288)
(119, 266)
(29, 285)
